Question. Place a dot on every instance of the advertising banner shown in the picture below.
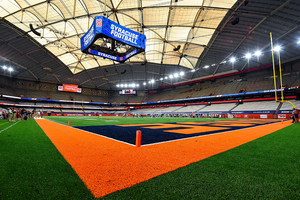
(281, 116)
(69, 88)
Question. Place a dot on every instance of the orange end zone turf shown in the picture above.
(106, 165)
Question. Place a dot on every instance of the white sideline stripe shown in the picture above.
(93, 133)
(9, 127)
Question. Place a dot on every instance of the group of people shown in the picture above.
(12, 114)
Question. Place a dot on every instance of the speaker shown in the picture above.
(34, 31)
(235, 21)
(177, 48)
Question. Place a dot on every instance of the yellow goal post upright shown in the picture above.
(280, 75)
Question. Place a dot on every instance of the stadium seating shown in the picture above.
(257, 105)
(218, 107)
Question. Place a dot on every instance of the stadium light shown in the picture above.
(161, 79)
(137, 85)
(118, 85)
(248, 55)
(176, 75)
(166, 77)
(171, 76)
(206, 66)
(298, 42)
(277, 48)
(125, 85)
(122, 85)
(181, 73)
(144, 83)
(4, 67)
(193, 70)
(233, 59)
(152, 81)
(257, 53)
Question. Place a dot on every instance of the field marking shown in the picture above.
(112, 166)
(207, 134)
(4, 123)
(171, 123)
(9, 126)
(111, 120)
(93, 133)
(181, 131)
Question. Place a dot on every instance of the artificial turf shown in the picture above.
(267, 168)
(32, 168)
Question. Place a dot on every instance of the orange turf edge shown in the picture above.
(106, 166)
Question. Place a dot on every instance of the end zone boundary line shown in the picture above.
(93, 133)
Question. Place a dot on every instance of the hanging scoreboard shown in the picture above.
(110, 40)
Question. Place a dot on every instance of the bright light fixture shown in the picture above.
(166, 77)
(171, 76)
(125, 85)
(10, 69)
(118, 85)
(144, 83)
(277, 48)
(176, 75)
(137, 85)
(233, 59)
(161, 79)
(206, 66)
(181, 73)
(122, 85)
(4, 67)
(152, 81)
(193, 70)
(248, 55)
(257, 53)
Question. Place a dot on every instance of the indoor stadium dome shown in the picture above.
(149, 99)
(41, 39)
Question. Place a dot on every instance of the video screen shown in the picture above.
(127, 91)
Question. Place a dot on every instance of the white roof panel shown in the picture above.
(165, 23)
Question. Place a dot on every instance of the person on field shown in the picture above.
(22, 114)
(10, 115)
(294, 116)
